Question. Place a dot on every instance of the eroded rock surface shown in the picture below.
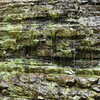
(51, 29)
(36, 86)
(29, 79)
(57, 28)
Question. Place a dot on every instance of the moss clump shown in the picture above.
(84, 72)
(54, 14)
(96, 72)
(65, 33)
(8, 44)
(89, 49)
(13, 17)
(87, 42)
(2, 53)
(64, 53)
(90, 72)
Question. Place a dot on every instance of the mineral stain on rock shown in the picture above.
(49, 49)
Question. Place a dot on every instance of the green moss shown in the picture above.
(89, 49)
(54, 14)
(8, 44)
(2, 53)
(88, 72)
(13, 17)
(96, 72)
(53, 70)
(65, 53)
(87, 42)
(84, 72)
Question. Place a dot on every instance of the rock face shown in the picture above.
(49, 29)
(57, 28)
(29, 79)
(37, 86)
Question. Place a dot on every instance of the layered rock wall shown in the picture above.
(57, 28)
(49, 29)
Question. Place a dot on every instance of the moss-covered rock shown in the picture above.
(56, 32)
(8, 44)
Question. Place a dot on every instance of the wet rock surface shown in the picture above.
(37, 86)
(57, 28)
(65, 37)
(46, 82)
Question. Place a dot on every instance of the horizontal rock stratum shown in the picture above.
(29, 79)
(55, 33)
(58, 28)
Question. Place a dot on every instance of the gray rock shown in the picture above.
(96, 88)
(3, 85)
(40, 98)
(95, 1)
(82, 82)
(93, 80)
(98, 81)
(76, 98)
(69, 72)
